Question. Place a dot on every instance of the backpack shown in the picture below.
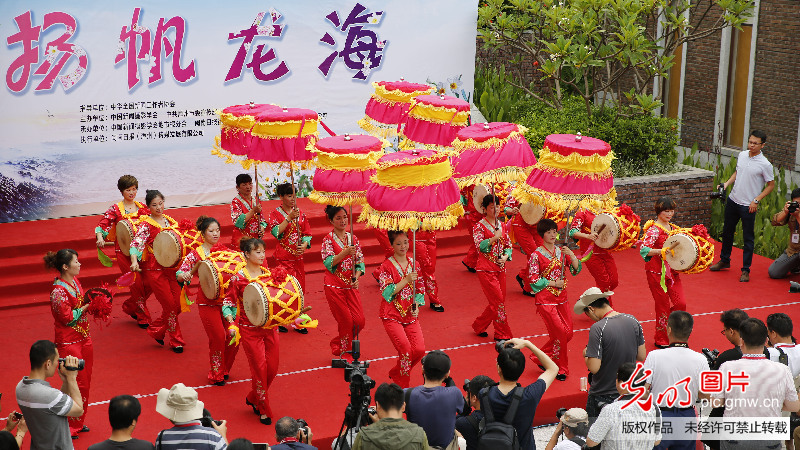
(499, 435)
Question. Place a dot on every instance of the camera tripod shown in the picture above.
(356, 414)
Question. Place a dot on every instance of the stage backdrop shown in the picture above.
(94, 90)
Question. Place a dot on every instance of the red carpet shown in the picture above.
(129, 362)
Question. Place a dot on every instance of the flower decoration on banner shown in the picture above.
(700, 230)
(388, 105)
(345, 165)
(573, 171)
(454, 85)
(433, 121)
(494, 152)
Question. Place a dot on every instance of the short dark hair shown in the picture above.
(545, 225)
(241, 444)
(625, 372)
(780, 323)
(759, 134)
(122, 411)
(753, 332)
(41, 352)
(733, 318)
(511, 362)
(599, 303)
(664, 204)
(285, 189)
(7, 441)
(286, 427)
(392, 235)
(477, 383)
(151, 195)
(681, 323)
(488, 199)
(795, 193)
(390, 396)
(243, 178)
(127, 181)
(435, 365)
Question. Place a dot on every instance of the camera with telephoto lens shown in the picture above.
(207, 420)
(81, 364)
(711, 356)
(560, 413)
(720, 194)
(303, 426)
(793, 207)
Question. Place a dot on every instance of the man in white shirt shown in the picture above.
(752, 181)
(784, 351)
(769, 386)
(670, 366)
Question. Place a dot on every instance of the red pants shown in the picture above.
(604, 270)
(494, 287)
(262, 350)
(528, 242)
(165, 287)
(297, 269)
(220, 354)
(135, 305)
(558, 320)
(666, 302)
(346, 308)
(410, 345)
(85, 351)
(426, 257)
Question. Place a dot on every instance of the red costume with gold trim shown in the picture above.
(672, 299)
(601, 264)
(403, 328)
(135, 305)
(286, 254)
(552, 303)
(493, 278)
(261, 345)
(160, 280)
(72, 338)
(426, 258)
(253, 228)
(343, 299)
(526, 236)
(472, 217)
(220, 354)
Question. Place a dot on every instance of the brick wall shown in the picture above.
(689, 189)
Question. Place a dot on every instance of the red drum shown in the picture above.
(269, 302)
(170, 245)
(216, 271)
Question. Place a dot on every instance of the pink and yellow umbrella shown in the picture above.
(387, 106)
(488, 153)
(344, 166)
(433, 121)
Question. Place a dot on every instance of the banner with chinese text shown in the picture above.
(95, 90)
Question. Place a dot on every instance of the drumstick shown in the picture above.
(677, 243)
(305, 310)
(602, 227)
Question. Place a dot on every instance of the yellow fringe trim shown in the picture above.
(338, 198)
(438, 114)
(412, 220)
(565, 202)
(393, 96)
(496, 143)
(247, 163)
(408, 144)
(413, 175)
(432, 159)
(575, 161)
(509, 174)
(240, 122)
(559, 172)
(378, 129)
(285, 129)
(360, 162)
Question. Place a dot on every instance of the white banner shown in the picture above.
(101, 89)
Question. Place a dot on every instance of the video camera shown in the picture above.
(711, 356)
(719, 194)
(81, 364)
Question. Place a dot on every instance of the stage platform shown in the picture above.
(127, 361)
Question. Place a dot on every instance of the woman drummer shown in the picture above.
(600, 264)
(128, 186)
(668, 294)
(491, 239)
(221, 355)
(260, 344)
(72, 325)
(400, 308)
(341, 255)
(158, 279)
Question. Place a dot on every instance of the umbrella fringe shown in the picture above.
(412, 220)
(493, 143)
(564, 202)
(338, 198)
(508, 174)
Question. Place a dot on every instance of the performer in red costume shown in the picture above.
(220, 354)
(491, 238)
(246, 212)
(160, 280)
(260, 344)
(665, 284)
(601, 264)
(72, 325)
(528, 239)
(341, 253)
(546, 270)
(400, 309)
(290, 226)
(135, 305)
(473, 216)
(383, 240)
(426, 258)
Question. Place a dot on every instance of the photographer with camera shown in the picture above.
(752, 181)
(123, 415)
(389, 430)
(574, 424)
(789, 260)
(45, 408)
(469, 425)
(180, 405)
(292, 434)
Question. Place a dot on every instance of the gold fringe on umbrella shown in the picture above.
(575, 161)
(338, 198)
(596, 203)
(508, 174)
(460, 145)
(247, 163)
(412, 220)
(378, 129)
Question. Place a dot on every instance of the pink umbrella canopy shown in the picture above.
(493, 152)
(387, 106)
(344, 167)
(433, 121)
(413, 189)
(573, 171)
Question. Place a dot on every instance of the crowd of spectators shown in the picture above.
(627, 385)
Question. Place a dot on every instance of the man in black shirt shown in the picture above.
(468, 425)
(123, 414)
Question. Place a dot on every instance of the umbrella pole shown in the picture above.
(257, 200)
(414, 283)
(350, 238)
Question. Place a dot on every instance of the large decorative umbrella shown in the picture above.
(387, 106)
(488, 153)
(433, 121)
(573, 171)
